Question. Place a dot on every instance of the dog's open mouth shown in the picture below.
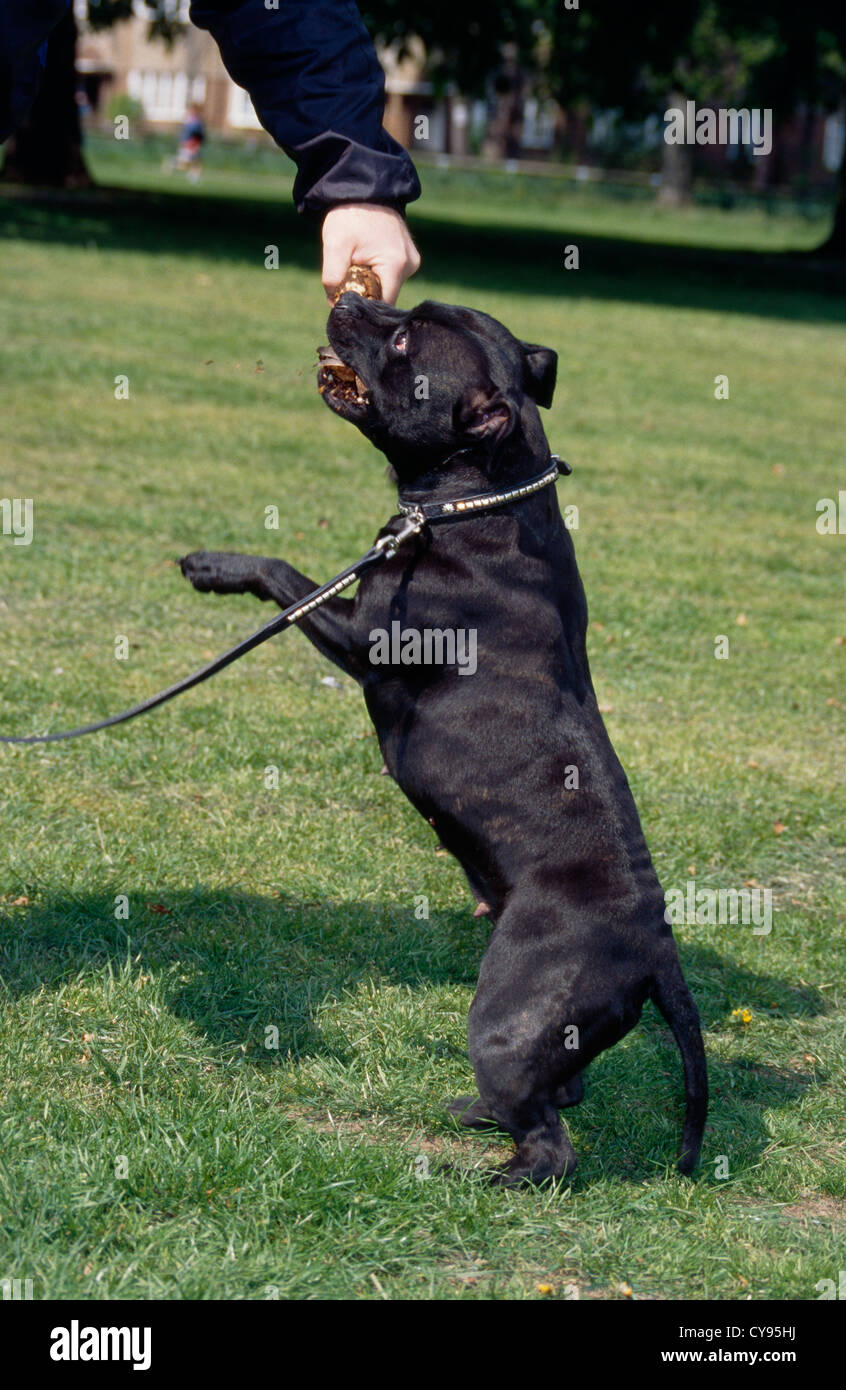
(340, 385)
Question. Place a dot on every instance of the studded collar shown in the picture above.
(457, 507)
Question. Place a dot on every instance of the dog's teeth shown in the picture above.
(359, 385)
(482, 909)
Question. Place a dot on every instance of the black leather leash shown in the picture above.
(415, 517)
(382, 550)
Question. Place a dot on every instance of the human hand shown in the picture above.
(371, 235)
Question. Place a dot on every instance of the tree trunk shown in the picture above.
(505, 133)
(676, 163)
(834, 245)
(47, 147)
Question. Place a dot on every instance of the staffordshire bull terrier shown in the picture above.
(580, 940)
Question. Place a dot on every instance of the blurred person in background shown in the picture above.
(189, 156)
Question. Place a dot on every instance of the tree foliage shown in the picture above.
(163, 15)
(629, 56)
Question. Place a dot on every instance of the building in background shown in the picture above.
(166, 80)
(163, 80)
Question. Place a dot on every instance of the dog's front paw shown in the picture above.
(199, 569)
(215, 572)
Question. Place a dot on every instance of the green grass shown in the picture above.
(151, 1144)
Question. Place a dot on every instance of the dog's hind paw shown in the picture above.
(536, 1172)
(471, 1112)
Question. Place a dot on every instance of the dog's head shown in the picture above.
(432, 380)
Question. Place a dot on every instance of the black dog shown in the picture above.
(580, 939)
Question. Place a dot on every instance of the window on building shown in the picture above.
(164, 95)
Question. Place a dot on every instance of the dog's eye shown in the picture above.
(400, 341)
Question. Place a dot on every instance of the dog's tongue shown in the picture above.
(328, 357)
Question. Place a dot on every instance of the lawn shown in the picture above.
(226, 1034)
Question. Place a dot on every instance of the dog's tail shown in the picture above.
(673, 998)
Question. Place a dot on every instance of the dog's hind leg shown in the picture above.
(543, 1147)
(516, 1095)
(518, 1045)
(571, 1092)
(472, 1112)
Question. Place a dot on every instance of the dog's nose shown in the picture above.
(354, 306)
(350, 301)
(350, 309)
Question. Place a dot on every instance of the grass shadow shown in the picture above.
(233, 962)
(481, 257)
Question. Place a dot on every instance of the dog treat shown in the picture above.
(361, 280)
(333, 374)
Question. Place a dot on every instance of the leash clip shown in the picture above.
(412, 523)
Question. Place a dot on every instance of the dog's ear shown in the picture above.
(540, 365)
(484, 413)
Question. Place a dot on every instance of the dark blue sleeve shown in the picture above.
(24, 26)
(317, 87)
